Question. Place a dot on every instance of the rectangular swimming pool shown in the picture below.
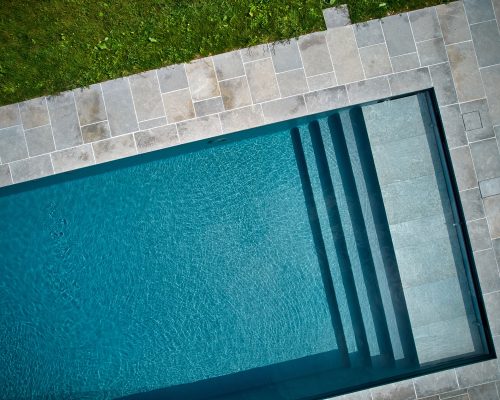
(296, 261)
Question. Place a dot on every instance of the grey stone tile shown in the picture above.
(490, 187)
(255, 53)
(398, 35)
(369, 33)
(496, 7)
(395, 391)
(440, 382)
(453, 394)
(463, 168)
(336, 16)
(322, 81)
(202, 79)
(486, 158)
(443, 83)
(405, 62)
(496, 248)
(479, 10)
(315, 54)
(31, 168)
(432, 52)
(12, 144)
(370, 89)
(172, 78)
(262, 80)
(472, 120)
(425, 24)
(459, 397)
(478, 373)
(492, 210)
(228, 65)
(9, 116)
(65, 126)
(95, 132)
(114, 148)
(409, 81)
(345, 56)
(156, 138)
(453, 126)
(74, 158)
(487, 43)
(152, 123)
(453, 22)
(235, 93)
(242, 118)
(120, 106)
(479, 234)
(292, 82)
(472, 204)
(487, 391)
(492, 302)
(327, 99)
(39, 140)
(146, 94)
(210, 106)
(283, 109)
(286, 55)
(465, 71)
(90, 104)
(486, 265)
(5, 178)
(375, 60)
(481, 129)
(434, 302)
(34, 113)
(199, 128)
(491, 78)
(178, 105)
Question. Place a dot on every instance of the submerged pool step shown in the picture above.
(353, 241)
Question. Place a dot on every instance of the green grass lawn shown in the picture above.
(47, 46)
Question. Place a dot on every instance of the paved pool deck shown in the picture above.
(453, 48)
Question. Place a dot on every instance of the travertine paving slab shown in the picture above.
(202, 79)
(178, 105)
(156, 138)
(199, 128)
(235, 93)
(242, 118)
(114, 148)
(95, 132)
(262, 80)
(31, 168)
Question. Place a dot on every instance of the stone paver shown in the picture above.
(369, 33)
(345, 55)
(69, 159)
(486, 158)
(95, 132)
(90, 105)
(375, 60)
(453, 125)
(202, 79)
(255, 53)
(64, 119)
(262, 80)
(286, 55)
(199, 128)
(322, 81)
(479, 10)
(492, 210)
(39, 140)
(486, 40)
(315, 54)
(152, 123)
(119, 106)
(405, 62)
(12, 144)
(490, 187)
(172, 78)
(5, 178)
(432, 52)
(487, 269)
(242, 118)
(235, 93)
(425, 24)
(491, 79)
(34, 113)
(114, 148)
(483, 128)
(292, 82)
(210, 106)
(228, 65)
(472, 204)
(147, 97)
(178, 105)
(31, 168)
(398, 35)
(327, 99)
(453, 22)
(443, 83)
(479, 235)
(156, 138)
(9, 116)
(283, 109)
(336, 16)
(478, 373)
(435, 383)
(371, 89)
(394, 391)
(413, 80)
(463, 168)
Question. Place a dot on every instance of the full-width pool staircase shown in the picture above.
(373, 333)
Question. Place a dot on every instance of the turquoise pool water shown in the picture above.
(254, 254)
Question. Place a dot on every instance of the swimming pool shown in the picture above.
(306, 258)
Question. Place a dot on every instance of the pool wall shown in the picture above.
(453, 49)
